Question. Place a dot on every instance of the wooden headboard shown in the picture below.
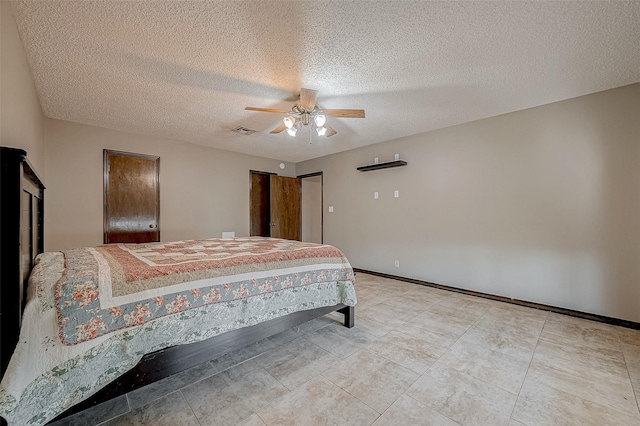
(21, 240)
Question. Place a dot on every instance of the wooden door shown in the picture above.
(131, 197)
(259, 205)
(285, 207)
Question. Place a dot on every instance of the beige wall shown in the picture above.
(541, 205)
(312, 209)
(203, 191)
(21, 119)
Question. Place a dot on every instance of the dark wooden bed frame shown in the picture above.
(22, 237)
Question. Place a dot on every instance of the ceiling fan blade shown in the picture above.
(279, 129)
(344, 113)
(330, 132)
(308, 98)
(281, 111)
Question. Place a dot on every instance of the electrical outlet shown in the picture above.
(396, 157)
(397, 263)
(375, 160)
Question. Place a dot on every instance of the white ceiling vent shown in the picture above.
(243, 130)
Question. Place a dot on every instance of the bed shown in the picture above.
(102, 321)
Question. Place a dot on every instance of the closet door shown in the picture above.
(285, 207)
(131, 197)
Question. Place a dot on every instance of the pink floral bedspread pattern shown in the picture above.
(139, 267)
(161, 279)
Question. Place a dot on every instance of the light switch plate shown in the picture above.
(330, 209)
(396, 193)
(375, 195)
(375, 160)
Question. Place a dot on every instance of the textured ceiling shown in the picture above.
(186, 70)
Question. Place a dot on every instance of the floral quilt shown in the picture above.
(115, 286)
(45, 377)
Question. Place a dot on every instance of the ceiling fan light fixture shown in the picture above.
(289, 121)
(306, 113)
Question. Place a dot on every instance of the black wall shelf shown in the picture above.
(380, 166)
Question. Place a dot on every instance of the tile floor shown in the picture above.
(417, 356)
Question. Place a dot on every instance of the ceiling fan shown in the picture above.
(305, 112)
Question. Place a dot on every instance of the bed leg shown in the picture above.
(349, 313)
